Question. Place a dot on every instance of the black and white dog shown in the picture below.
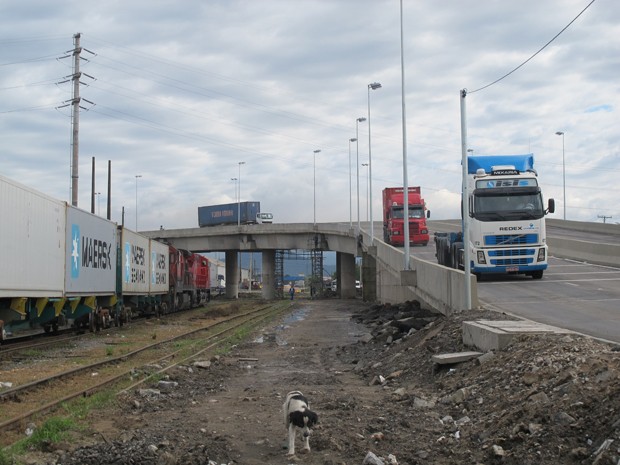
(298, 415)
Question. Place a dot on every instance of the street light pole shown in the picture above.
(137, 176)
(353, 139)
(357, 167)
(98, 194)
(239, 196)
(371, 86)
(314, 183)
(367, 182)
(561, 133)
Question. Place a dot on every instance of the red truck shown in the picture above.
(393, 232)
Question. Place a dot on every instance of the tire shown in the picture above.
(538, 274)
(455, 254)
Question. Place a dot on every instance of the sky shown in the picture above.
(204, 102)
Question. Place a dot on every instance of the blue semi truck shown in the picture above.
(506, 219)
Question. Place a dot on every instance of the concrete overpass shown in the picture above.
(383, 277)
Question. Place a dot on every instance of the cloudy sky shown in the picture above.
(183, 91)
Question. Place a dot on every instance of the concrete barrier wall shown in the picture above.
(591, 252)
(585, 226)
(437, 286)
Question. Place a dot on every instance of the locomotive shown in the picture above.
(63, 266)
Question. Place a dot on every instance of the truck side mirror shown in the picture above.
(428, 213)
(551, 207)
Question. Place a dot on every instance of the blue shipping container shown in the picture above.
(228, 213)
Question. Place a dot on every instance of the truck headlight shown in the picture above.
(424, 231)
(541, 255)
(481, 258)
(396, 233)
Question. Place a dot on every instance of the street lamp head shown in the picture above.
(470, 150)
(374, 85)
(317, 151)
(353, 139)
(364, 164)
(559, 133)
(242, 163)
(361, 119)
(233, 179)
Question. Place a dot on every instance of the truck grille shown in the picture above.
(511, 239)
(511, 257)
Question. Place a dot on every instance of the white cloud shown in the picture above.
(183, 92)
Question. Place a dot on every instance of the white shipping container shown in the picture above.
(135, 263)
(91, 254)
(32, 242)
(160, 259)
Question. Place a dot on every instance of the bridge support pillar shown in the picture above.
(232, 274)
(369, 275)
(269, 274)
(345, 272)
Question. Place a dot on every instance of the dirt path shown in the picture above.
(292, 356)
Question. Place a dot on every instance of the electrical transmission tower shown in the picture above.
(75, 103)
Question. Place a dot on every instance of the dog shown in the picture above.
(297, 415)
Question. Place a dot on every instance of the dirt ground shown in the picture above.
(367, 372)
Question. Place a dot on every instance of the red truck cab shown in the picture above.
(393, 217)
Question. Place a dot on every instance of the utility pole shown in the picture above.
(75, 118)
(604, 217)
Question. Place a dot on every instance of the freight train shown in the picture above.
(61, 266)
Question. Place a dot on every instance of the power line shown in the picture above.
(540, 50)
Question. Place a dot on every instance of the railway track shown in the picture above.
(44, 395)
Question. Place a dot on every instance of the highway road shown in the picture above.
(573, 295)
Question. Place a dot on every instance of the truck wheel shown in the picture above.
(440, 247)
(454, 255)
(538, 274)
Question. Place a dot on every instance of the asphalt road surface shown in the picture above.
(573, 295)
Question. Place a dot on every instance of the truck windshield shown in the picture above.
(508, 207)
(415, 211)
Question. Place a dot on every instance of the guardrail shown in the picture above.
(590, 252)
(435, 285)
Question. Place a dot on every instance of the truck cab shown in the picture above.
(264, 218)
(394, 217)
(506, 231)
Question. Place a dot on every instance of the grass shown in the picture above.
(5, 459)
(80, 407)
(33, 353)
(59, 428)
(52, 431)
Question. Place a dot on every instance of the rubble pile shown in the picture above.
(546, 399)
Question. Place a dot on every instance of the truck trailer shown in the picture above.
(393, 216)
(229, 213)
(507, 219)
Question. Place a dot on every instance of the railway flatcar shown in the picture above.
(61, 266)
